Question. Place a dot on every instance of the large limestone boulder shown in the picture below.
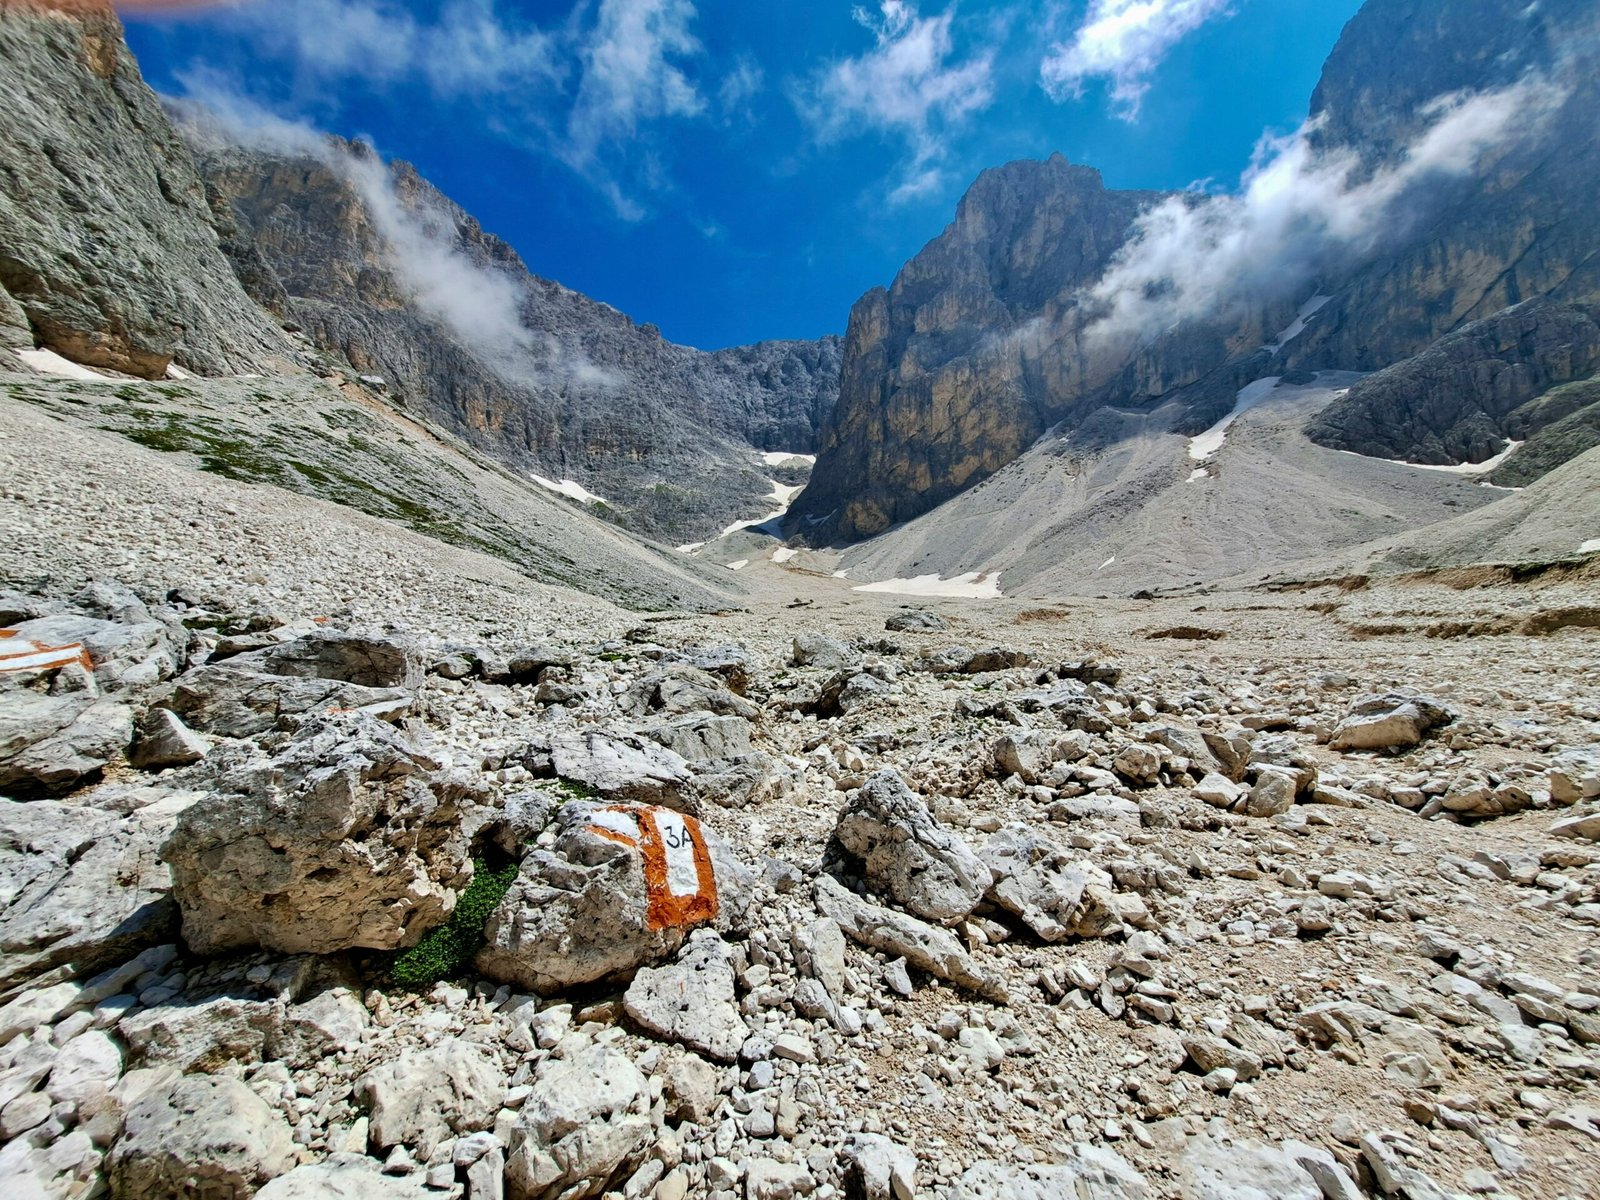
(923, 946)
(1393, 721)
(426, 1096)
(126, 645)
(204, 1135)
(679, 688)
(1211, 1169)
(81, 885)
(231, 699)
(585, 1124)
(692, 1001)
(348, 838)
(623, 766)
(907, 854)
(607, 898)
(1053, 894)
(375, 662)
(201, 1035)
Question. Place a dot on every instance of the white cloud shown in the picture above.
(739, 87)
(586, 90)
(472, 50)
(631, 73)
(909, 85)
(1298, 212)
(479, 303)
(1123, 41)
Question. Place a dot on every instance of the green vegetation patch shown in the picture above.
(447, 952)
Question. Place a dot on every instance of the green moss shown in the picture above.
(571, 789)
(447, 952)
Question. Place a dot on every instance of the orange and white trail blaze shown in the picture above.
(680, 880)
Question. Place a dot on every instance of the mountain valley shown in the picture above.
(1119, 723)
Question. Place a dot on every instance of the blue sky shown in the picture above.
(734, 171)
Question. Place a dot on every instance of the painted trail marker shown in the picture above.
(18, 655)
(679, 879)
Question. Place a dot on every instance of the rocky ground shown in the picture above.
(1287, 893)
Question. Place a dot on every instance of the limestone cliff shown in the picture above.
(975, 350)
(109, 253)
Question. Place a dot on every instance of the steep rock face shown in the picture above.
(980, 346)
(1455, 401)
(973, 352)
(109, 254)
(1525, 227)
(371, 261)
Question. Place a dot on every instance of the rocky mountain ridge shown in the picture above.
(921, 421)
(534, 374)
(166, 256)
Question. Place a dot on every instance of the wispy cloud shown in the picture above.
(481, 305)
(911, 85)
(631, 73)
(1299, 211)
(1123, 42)
(471, 50)
(588, 90)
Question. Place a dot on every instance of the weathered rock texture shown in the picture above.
(946, 376)
(350, 839)
(108, 246)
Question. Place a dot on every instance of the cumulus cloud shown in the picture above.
(1123, 42)
(909, 85)
(1298, 212)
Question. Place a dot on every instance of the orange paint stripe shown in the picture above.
(666, 910)
(71, 653)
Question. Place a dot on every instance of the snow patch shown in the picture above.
(48, 362)
(1108, 562)
(777, 458)
(1197, 475)
(782, 495)
(1210, 442)
(1483, 468)
(845, 574)
(783, 554)
(570, 488)
(1308, 310)
(1592, 547)
(740, 565)
(691, 548)
(975, 585)
(174, 371)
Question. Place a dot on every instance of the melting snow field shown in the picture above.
(1590, 547)
(783, 555)
(48, 362)
(776, 458)
(1208, 443)
(570, 488)
(740, 565)
(1482, 468)
(1308, 310)
(975, 585)
(1197, 475)
(783, 495)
